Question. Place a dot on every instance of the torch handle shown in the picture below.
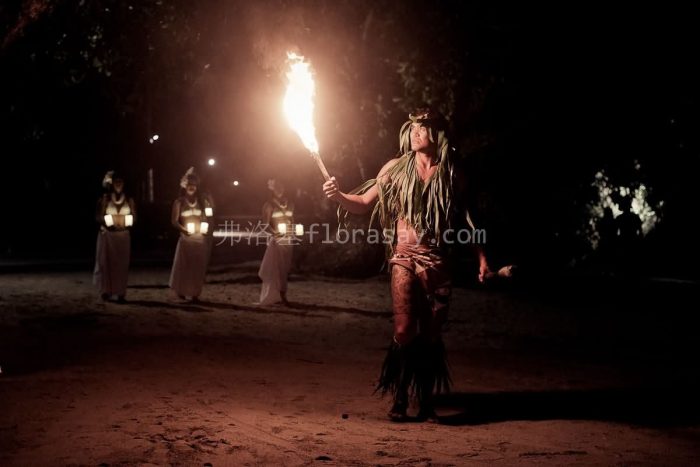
(321, 166)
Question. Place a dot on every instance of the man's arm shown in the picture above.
(100, 210)
(484, 269)
(267, 219)
(132, 207)
(357, 204)
(175, 217)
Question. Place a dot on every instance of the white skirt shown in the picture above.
(274, 270)
(190, 265)
(112, 261)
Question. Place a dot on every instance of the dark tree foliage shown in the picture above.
(540, 98)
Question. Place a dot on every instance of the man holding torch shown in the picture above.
(420, 196)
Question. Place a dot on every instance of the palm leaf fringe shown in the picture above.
(427, 207)
(419, 367)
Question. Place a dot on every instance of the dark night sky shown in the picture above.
(543, 97)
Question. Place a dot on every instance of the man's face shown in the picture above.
(191, 189)
(419, 137)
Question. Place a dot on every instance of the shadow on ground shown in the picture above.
(648, 407)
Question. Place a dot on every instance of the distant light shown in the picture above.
(150, 140)
(211, 161)
(235, 183)
(155, 137)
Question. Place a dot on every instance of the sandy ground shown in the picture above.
(157, 382)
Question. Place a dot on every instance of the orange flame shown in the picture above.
(299, 103)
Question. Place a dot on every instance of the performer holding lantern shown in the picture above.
(420, 196)
(278, 219)
(192, 251)
(115, 215)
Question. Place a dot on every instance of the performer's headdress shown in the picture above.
(428, 116)
(190, 178)
(275, 184)
(108, 180)
(437, 130)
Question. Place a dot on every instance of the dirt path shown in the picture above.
(156, 382)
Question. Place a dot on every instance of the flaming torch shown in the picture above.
(299, 106)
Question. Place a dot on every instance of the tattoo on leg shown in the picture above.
(402, 283)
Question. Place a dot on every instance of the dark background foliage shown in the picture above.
(540, 97)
